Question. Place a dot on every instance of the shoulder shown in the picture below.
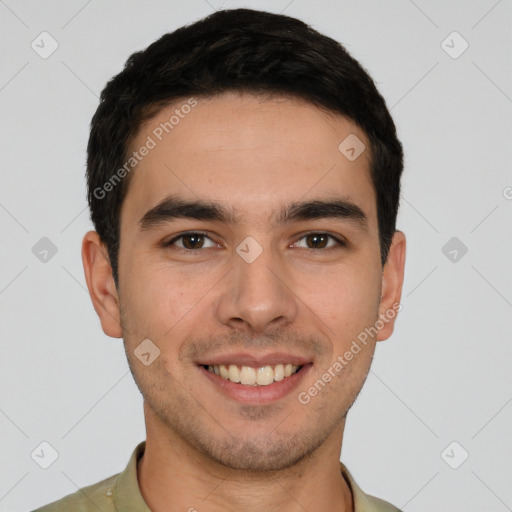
(87, 499)
(364, 502)
(118, 492)
(381, 505)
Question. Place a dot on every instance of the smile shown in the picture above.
(253, 385)
(249, 376)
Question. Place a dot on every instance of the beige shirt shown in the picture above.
(121, 493)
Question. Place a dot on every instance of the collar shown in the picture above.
(128, 498)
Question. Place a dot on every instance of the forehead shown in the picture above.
(250, 153)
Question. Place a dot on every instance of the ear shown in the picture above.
(102, 289)
(392, 281)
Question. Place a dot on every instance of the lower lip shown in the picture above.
(258, 395)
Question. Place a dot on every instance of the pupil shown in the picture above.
(316, 238)
(195, 240)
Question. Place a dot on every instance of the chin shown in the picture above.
(261, 455)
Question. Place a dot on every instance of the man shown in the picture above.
(243, 179)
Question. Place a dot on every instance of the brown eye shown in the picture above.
(190, 241)
(193, 241)
(320, 241)
(317, 241)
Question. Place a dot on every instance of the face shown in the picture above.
(249, 240)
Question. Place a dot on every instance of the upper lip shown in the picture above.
(256, 361)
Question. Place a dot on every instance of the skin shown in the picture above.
(254, 155)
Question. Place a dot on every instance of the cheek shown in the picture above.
(152, 284)
(165, 301)
(344, 298)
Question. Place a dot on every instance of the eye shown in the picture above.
(194, 241)
(191, 241)
(319, 240)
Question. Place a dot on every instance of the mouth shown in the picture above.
(255, 383)
(250, 376)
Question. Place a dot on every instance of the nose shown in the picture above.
(258, 294)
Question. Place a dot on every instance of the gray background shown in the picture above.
(443, 377)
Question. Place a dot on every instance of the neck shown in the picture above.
(174, 476)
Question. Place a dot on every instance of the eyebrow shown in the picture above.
(174, 207)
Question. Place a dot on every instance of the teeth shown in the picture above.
(265, 376)
(249, 376)
(224, 372)
(233, 373)
(279, 372)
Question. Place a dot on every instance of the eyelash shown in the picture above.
(340, 243)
